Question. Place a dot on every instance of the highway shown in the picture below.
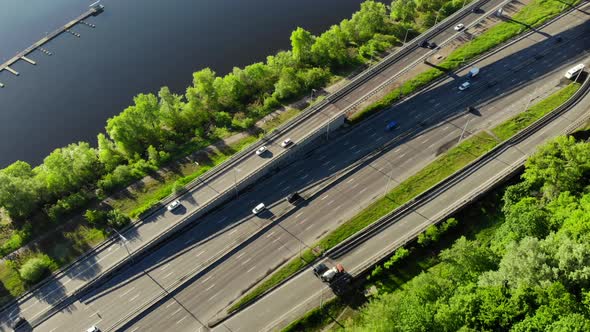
(35, 305)
(32, 307)
(305, 291)
(210, 290)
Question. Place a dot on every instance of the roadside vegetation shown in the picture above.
(516, 260)
(453, 160)
(527, 273)
(162, 127)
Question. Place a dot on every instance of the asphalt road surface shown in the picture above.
(305, 291)
(208, 289)
(161, 221)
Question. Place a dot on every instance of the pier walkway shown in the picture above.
(22, 55)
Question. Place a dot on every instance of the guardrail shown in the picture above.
(386, 221)
(419, 200)
(355, 82)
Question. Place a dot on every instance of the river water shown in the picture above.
(137, 46)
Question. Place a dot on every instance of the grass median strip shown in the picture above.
(451, 161)
(535, 112)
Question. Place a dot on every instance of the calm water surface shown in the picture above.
(137, 46)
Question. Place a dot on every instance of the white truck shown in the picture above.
(473, 72)
(328, 274)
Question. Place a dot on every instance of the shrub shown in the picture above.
(96, 217)
(399, 254)
(35, 268)
(67, 205)
(116, 219)
(432, 234)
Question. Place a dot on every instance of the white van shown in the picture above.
(258, 208)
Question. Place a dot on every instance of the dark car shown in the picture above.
(18, 322)
(424, 43)
(319, 270)
(293, 198)
(432, 45)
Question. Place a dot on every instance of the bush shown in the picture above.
(432, 234)
(35, 268)
(67, 206)
(116, 219)
(96, 217)
(113, 218)
(399, 254)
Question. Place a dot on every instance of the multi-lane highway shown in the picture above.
(305, 291)
(31, 307)
(210, 290)
(34, 305)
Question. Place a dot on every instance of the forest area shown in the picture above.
(530, 272)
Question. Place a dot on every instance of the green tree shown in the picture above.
(525, 264)
(137, 127)
(330, 49)
(365, 23)
(68, 169)
(108, 154)
(18, 195)
(301, 42)
(288, 84)
(558, 165)
(34, 269)
(403, 10)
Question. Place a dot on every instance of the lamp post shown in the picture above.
(436, 19)
(406, 36)
(463, 132)
(124, 239)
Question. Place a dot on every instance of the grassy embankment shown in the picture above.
(534, 14)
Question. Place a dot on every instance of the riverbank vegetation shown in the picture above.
(161, 127)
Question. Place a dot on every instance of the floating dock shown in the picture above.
(93, 10)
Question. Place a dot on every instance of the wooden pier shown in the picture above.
(93, 10)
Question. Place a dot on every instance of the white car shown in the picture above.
(286, 143)
(459, 27)
(173, 205)
(258, 208)
(464, 86)
(93, 329)
(261, 150)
